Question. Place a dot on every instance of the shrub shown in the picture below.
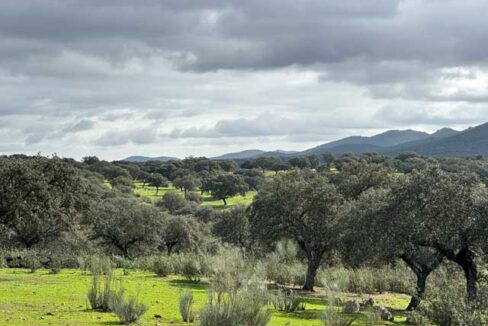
(54, 266)
(32, 262)
(243, 308)
(448, 306)
(331, 317)
(162, 266)
(334, 279)
(100, 293)
(186, 307)
(194, 197)
(288, 301)
(99, 265)
(361, 281)
(127, 310)
(230, 270)
(191, 267)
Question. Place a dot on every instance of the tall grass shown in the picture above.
(128, 310)
(186, 307)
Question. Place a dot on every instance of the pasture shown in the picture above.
(150, 192)
(42, 298)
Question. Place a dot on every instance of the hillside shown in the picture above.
(472, 141)
(147, 158)
(359, 144)
(250, 153)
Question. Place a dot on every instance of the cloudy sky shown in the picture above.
(184, 77)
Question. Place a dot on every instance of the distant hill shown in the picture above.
(147, 158)
(250, 153)
(470, 142)
(443, 142)
(358, 144)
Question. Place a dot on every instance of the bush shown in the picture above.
(100, 265)
(243, 308)
(192, 267)
(334, 279)
(100, 293)
(448, 306)
(331, 317)
(194, 197)
(186, 307)
(54, 266)
(32, 262)
(288, 301)
(162, 266)
(127, 310)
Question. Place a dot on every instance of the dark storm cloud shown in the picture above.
(206, 69)
(254, 34)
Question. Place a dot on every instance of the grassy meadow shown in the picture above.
(150, 192)
(42, 298)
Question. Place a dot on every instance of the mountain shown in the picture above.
(445, 132)
(470, 142)
(359, 144)
(251, 153)
(254, 153)
(146, 158)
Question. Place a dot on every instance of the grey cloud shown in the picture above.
(142, 136)
(284, 72)
(267, 125)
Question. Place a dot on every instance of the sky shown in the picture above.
(115, 78)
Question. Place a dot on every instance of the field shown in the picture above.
(41, 298)
(150, 192)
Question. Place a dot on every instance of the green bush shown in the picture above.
(448, 306)
(334, 279)
(332, 317)
(32, 262)
(127, 310)
(239, 309)
(100, 293)
(186, 307)
(192, 269)
(288, 301)
(100, 265)
(162, 266)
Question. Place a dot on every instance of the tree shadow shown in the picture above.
(188, 284)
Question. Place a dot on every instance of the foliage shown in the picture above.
(305, 207)
(223, 186)
(101, 292)
(128, 310)
(127, 227)
(241, 308)
(288, 301)
(186, 307)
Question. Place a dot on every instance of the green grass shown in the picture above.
(60, 299)
(150, 192)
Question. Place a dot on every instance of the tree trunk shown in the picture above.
(471, 274)
(225, 201)
(466, 259)
(419, 295)
(313, 265)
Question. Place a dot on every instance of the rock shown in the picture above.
(157, 316)
(385, 314)
(367, 303)
(351, 307)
